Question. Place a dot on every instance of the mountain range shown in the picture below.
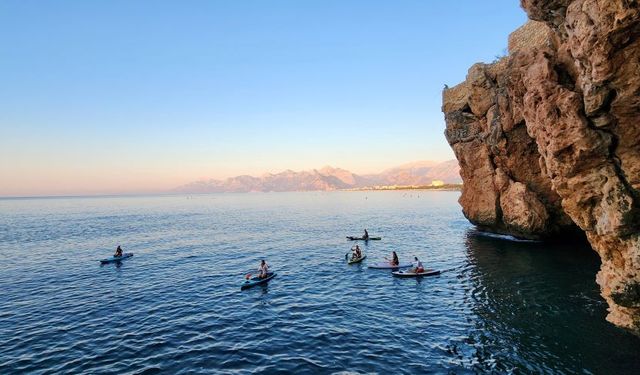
(329, 178)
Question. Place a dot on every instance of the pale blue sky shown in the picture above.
(130, 96)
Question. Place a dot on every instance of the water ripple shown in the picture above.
(176, 307)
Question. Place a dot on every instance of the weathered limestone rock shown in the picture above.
(548, 138)
(490, 140)
(521, 210)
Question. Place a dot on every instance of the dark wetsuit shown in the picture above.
(395, 260)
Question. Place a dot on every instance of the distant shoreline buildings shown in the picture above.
(435, 185)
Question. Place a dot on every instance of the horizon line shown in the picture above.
(150, 194)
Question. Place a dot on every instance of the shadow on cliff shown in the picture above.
(570, 236)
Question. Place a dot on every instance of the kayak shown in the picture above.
(116, 259)
(257, 281)
(427, 272)
(350, 261)
(351, 238)
(387, 266)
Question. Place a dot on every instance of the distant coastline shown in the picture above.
(445, 187)
(419, 175)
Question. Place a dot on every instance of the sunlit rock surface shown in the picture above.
(548, 137)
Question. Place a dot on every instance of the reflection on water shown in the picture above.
(176, 306)
(539, 303)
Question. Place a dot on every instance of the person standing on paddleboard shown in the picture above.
(366, 235)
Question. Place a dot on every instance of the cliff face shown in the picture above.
(548, 138)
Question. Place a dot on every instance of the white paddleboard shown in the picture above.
(427, 272)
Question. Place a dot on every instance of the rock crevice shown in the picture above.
(548, 138)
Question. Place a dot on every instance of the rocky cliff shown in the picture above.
(548, 137)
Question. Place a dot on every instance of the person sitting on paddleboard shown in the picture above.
(394, 259)
(264, 269)
(417, 266)
(357, 253)
(366, 235)
(118, 252)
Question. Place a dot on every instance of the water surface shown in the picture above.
(176, 306)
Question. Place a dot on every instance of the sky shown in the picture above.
(131, 96)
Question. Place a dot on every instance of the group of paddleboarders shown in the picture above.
(263, 269)
(417, 266)
(356, 253)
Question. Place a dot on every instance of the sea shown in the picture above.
(175, 307)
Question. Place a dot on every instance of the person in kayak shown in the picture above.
(417, 266)
(366, 235)
(264, 269)
(118, 253)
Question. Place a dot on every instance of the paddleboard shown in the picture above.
(427, 272)
(116, 259)
(257, 281)
(351, 238)
(357, 260)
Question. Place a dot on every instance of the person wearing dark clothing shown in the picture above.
(395, 261)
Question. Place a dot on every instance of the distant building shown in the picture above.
(437, 183)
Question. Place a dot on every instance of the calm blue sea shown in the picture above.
(176, 306)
